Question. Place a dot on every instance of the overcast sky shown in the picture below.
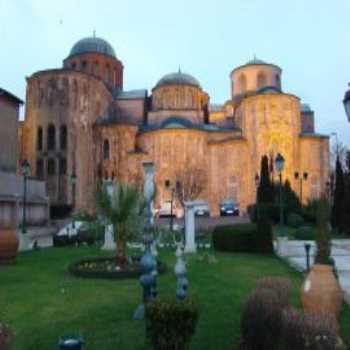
(308, 39)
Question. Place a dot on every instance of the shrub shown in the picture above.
(235, 238)
(309, 331)
(171, 324)
(261, 321)
(305, 233)
(264, 240)
(6, 336)
(279, 285)
(309, 211)
(295, 220)
(252, 212)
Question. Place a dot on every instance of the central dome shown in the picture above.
(178, 78)
(92, 44)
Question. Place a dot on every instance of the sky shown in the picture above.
(308, 39)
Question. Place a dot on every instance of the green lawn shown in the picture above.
(41, 301)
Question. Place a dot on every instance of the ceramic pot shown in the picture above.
(321, 291)
(8, 245)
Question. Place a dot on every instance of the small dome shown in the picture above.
(92, 44)
(178, 78)
(256, 61)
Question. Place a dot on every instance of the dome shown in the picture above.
(92, 44)
(256, 61)
(178, 78)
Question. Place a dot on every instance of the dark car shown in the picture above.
(229, 207)
(201, 208)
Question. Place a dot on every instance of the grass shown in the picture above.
(42, 302)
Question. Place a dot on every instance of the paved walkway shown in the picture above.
(296, 257)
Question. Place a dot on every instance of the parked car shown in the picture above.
(201, 209)
(229, 207)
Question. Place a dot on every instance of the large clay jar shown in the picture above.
(8, 245)
(321, 291)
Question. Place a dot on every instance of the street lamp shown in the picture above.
(279, 165)
(25, 166)
(346, 103)
(73, 181)
(257, 183)
(301, 178)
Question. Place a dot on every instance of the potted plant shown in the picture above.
(8, 244)
(124, 210)
(321, 291)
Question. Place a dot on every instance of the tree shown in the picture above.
(265, 189)
(338, 210)
(124, 209)
(191, 181)
(265, 198)
(323, 251)
(290, 199)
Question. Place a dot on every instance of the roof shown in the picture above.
(131, 95)
(178, 78)
(11, 96)
(92, 44)
(305, 108)
(114, 115)
(311, 134)
(255, 61)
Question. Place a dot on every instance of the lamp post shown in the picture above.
(346, 102)
(279, 164)
(25, 171)
(257, 183)
(73, 181)
(301, 178)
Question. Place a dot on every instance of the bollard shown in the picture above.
(307, 247)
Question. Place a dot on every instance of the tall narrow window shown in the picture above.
(261, 80)
(51, 138)
(63, 166)
(242, 83)
(105, 150)
(96, 68)
(107, 74)
(40, 168)
(63, 137)
(83, 65)
(51, 166)
(40, 139)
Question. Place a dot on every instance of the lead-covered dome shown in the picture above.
(178, 78)
(92, 44)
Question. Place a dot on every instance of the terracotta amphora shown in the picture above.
(8, 245)
(321, 291)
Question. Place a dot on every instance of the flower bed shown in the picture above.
(106, 268)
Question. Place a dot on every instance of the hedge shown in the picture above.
(236, 238)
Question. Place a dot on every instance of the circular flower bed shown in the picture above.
(107, 268)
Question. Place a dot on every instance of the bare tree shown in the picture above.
(191, 181)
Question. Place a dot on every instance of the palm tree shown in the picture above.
(124, 209)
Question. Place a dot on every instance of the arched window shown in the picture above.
(96, 68)
(40, 139)
(242, 83)
(83, 65)
(51, 166)
(261, 80)
(105, 149)
(40, 168)
(63, 137)
(51, 137)
(74, 65)
(278, 81)
(63, 166)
